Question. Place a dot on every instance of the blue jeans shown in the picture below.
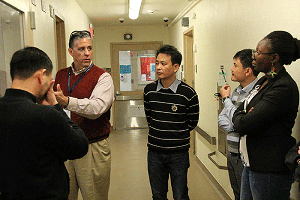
(266, 186)
(160, 166)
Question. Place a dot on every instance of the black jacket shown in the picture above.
(269, 125)
(35, 140)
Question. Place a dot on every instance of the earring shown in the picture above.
(272, 72)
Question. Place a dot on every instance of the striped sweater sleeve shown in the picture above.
(193, 112)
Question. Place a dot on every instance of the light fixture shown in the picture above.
(134, 8)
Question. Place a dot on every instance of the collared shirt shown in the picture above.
(100, 100)
(238, 96)
(225, 117)
(81, 70)
(173, 87)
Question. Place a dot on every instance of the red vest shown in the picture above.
(97, 129)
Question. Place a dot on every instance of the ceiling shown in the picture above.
(108, 12)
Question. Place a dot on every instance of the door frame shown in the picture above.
(127, 46)
(60, 42)
(188, 67)
(115, 47)
(189, 70)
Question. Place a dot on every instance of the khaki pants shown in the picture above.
(91, 173)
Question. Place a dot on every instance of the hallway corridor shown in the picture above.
(129, 177)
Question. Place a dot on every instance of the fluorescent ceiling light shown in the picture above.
(134, 8)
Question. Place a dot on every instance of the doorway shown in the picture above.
(188, 69)
(132, 68)
(60, 43)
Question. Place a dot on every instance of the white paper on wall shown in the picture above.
(124, 58)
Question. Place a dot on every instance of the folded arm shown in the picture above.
(257, 116)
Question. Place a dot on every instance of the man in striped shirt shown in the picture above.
(172, 111)
(244, 73)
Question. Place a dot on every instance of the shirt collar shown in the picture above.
(246, 89)
(18, 93)
(173, 87)
(81, 70)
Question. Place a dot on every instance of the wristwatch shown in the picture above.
(224, 98)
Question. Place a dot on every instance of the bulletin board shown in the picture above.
(147, 68)
(125, 71)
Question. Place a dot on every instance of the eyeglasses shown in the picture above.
(259, 53)
(80, 34)
(76, 35)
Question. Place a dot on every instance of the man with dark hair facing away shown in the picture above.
(36, 135)
(244, 73)
(172, 111)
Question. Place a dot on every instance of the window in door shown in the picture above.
(137, 69)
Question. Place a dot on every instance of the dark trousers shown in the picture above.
(235, 170)
(265, 186)
(160, 166)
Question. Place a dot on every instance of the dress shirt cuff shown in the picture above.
(71, 104)
(227, 102)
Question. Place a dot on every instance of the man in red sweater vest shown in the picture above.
(87, 92)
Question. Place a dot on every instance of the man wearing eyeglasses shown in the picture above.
(242, 72)
(87, 92)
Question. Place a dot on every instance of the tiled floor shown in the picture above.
(129, 177)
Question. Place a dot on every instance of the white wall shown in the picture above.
(106, 35)
(43, 36)
(222, 28)
(75, 19)
(11, 40)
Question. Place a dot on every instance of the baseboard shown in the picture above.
(223, 193)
